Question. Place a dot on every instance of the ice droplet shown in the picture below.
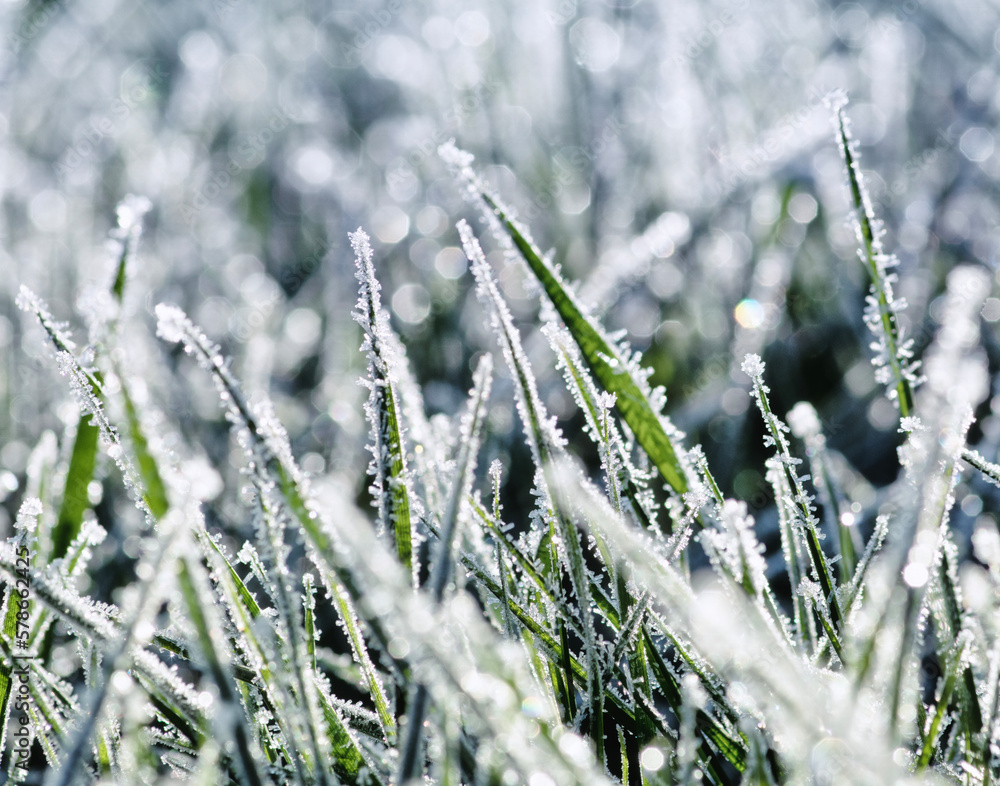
(170, 323)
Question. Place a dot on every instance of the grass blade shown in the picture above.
(546, 444)
(472, 423)
(615, 371)
(388, 451)
(193, 587)
(894, 365)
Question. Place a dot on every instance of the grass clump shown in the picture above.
(633, 627)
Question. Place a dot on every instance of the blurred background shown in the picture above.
(676, 155)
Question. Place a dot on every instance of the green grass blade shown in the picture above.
(388, 450)
(546, 444)
(605, 362)
(246, 598)
(154, 492)
(969, 709)
(614, 371)
(895, 354)
(130, 213)
(309, 615)
(231, 718)
(349, 764)
(75, 500)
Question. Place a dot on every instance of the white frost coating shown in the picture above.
(171, 323)
(58, 332)
(130, 212)
(893, 352)
(32, 507)
(543, 436)
(737, 544)
(496, 472)
(492, 208)
(753, 366)
(454, 650)
(804, 421)
(27, 517)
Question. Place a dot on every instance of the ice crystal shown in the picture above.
(27, 516)
(753, 366)
(804, 421)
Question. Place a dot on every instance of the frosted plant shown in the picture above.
(799, 503)
(388, 466)
(616, 368)
(805, 424)
(893, 360)
(631, 622)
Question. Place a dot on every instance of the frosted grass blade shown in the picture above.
(231, 720)
(388, 465)
(154, 492)
(894, 365)
(75, 497)
(546, 444)
(753, 367)
(472, 422)
(615, 371)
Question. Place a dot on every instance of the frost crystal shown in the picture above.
(171, 323)
(27, 516)
(804, 421)
(753, 366)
